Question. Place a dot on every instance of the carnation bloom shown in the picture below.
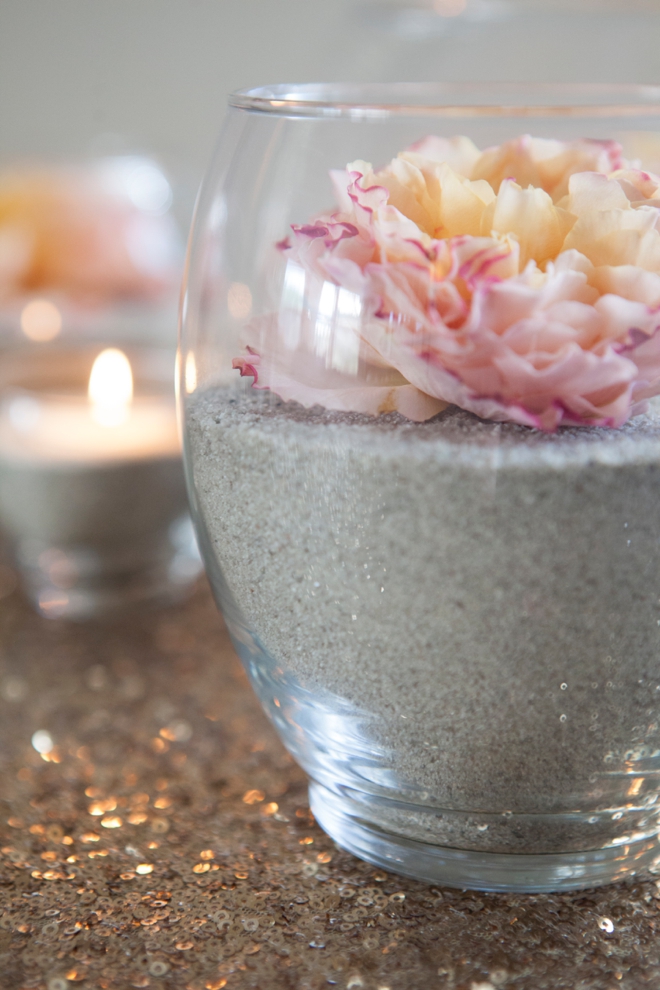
(521, 283)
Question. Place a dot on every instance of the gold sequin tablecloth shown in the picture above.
(162, 838)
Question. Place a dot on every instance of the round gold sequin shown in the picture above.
(137, 818)
(112, 822)
(144, 868)
(158, 967)
(222, 919)
(253, 797)
(99, 808)
(76, 975)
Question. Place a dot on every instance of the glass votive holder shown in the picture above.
(92, 492)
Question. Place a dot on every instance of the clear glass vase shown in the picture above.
(424, 463)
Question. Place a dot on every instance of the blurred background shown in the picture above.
(109, 111)
(84, 77)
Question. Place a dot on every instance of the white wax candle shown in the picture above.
(92, 492)
(51, 428)
(108, 424)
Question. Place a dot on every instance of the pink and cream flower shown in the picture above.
(521, 284)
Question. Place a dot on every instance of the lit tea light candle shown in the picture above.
(106, 423)
(92, 494)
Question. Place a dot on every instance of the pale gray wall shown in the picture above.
(152, 75)
(154, 71)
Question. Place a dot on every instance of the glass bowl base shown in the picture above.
(360, 800)
(475, 870)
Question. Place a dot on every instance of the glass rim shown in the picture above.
(363, 101)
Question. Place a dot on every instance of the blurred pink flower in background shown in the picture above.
(99, 232)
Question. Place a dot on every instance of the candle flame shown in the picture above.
(111, 387)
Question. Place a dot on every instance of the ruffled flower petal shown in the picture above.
(592, 192)
(546, 164)
(531, 217)
(313, 381)
(439, 200)
(629, 282)
(617, 237)
(638, 186)
(460, 153)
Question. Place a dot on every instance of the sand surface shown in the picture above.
(486, 596)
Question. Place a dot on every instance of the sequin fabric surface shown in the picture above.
(154, 833)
